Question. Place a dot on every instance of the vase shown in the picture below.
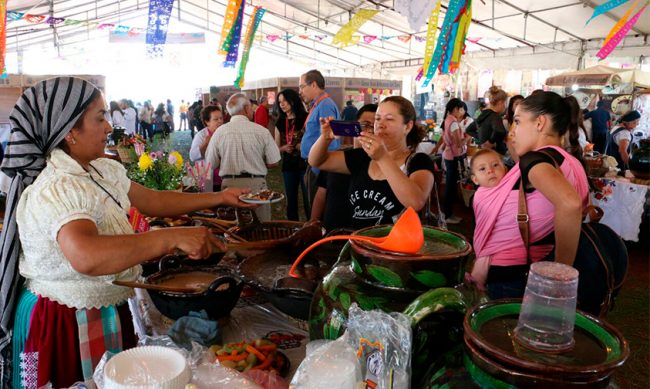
(640, 160)
(421, 286)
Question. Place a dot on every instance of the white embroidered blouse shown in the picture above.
(62, 193)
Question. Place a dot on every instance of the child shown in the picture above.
(487, 169)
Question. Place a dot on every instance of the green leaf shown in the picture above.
(364, 302)
(385, 276)
(430, 278)
(333, 292)
(345, 300)
(355, 266)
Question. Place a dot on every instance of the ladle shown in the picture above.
(406, 236)
(161, 288)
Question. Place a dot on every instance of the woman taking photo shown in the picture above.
(288, 134)
(453, 154)
(67, 231)
(554, 197)
(386, 174)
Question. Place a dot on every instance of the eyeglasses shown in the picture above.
(368, 125)
(302, 86)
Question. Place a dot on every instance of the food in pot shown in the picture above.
(259, 354)
(193, 279)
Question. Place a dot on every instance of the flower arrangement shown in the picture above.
(158, 170)
(430, 125)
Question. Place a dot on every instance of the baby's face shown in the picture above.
(488, 170)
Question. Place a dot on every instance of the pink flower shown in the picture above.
(172, 159)
(153, 155)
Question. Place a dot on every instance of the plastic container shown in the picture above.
(548, 310)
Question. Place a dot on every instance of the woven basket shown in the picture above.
(467, 195)
(126, 154)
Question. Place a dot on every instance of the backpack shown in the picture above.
(601, 258)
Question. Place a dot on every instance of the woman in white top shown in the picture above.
(75, 237)
(212, 117)
(117, 115)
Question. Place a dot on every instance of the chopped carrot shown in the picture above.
(232, 357)
(264, 365)
(253, 350)
(267, 348)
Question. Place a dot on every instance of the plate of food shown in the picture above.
(265, 196)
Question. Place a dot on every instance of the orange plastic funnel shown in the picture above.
(406, 236)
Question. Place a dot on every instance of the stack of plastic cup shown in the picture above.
(548, 310)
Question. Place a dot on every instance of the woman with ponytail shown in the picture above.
(555, 197)
(491, 132)
(453, 155)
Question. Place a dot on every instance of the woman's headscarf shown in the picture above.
(41, 118)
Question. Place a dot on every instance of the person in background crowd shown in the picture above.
(170, 110)
(243, 151)
(183, 110)
(198, 124)
(130, 116)
(163, 123)
(576, 114)
(213, 119)
(331, 203)
(620, 142)
(453, 155)
(509, 120)
(69, 236)
(481, 107)
(311, 87)
(289, 129)
(386, 174)
(491, 132)
(349, 112)
(601, 122)
(190, 118)
(555, 197)
(262, 112)
(116, 114)
(146, 117)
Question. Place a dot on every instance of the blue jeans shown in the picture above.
(506, 289)
(293, 180)
(451, 186)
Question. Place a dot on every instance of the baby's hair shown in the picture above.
(480, 153)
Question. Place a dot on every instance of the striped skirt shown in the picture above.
(55, 344)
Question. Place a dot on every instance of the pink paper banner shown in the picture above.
(369, 38)
(616, 39)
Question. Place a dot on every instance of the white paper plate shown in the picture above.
(256, 201)
(147, 367)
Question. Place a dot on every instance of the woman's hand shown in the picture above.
(373, 145)
(196, 242)
(326, 129)
(288, 148)
(230, 197)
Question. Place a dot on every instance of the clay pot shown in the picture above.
(640, 160)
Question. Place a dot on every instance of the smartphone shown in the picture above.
(345, 128)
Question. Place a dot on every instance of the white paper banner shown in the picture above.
(415, 11)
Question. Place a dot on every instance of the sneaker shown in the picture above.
(453, 220)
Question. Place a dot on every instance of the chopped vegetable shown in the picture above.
(260, 354)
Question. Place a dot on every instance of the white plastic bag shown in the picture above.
(329, 364)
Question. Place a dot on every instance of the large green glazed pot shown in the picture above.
(441, 262)
(421, 286)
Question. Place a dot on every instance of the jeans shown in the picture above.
(451, 186)
(506, 289)
(293, 180)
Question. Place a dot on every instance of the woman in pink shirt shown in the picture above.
(555, 198)
(453, 155)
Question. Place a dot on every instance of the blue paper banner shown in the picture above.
(159, 14)
(233, 51)
(452, 14)
(601, 9)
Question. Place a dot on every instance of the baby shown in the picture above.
(487, 169)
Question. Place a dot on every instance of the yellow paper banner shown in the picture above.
(621, 22)
(228, 21)
(463, 27)
(432, 29)
(344, 36)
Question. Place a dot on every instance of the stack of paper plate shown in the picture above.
(147, 367)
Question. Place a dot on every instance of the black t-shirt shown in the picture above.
(532, 158)
(337, 207)
(373, 202)
(291, 162)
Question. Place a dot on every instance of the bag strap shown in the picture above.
(522, 220)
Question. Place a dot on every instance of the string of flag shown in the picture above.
(620, 29)
(253, 23)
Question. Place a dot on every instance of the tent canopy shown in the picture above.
(601, 75)
(502, 24)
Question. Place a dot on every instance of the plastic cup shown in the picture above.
(548, 310)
